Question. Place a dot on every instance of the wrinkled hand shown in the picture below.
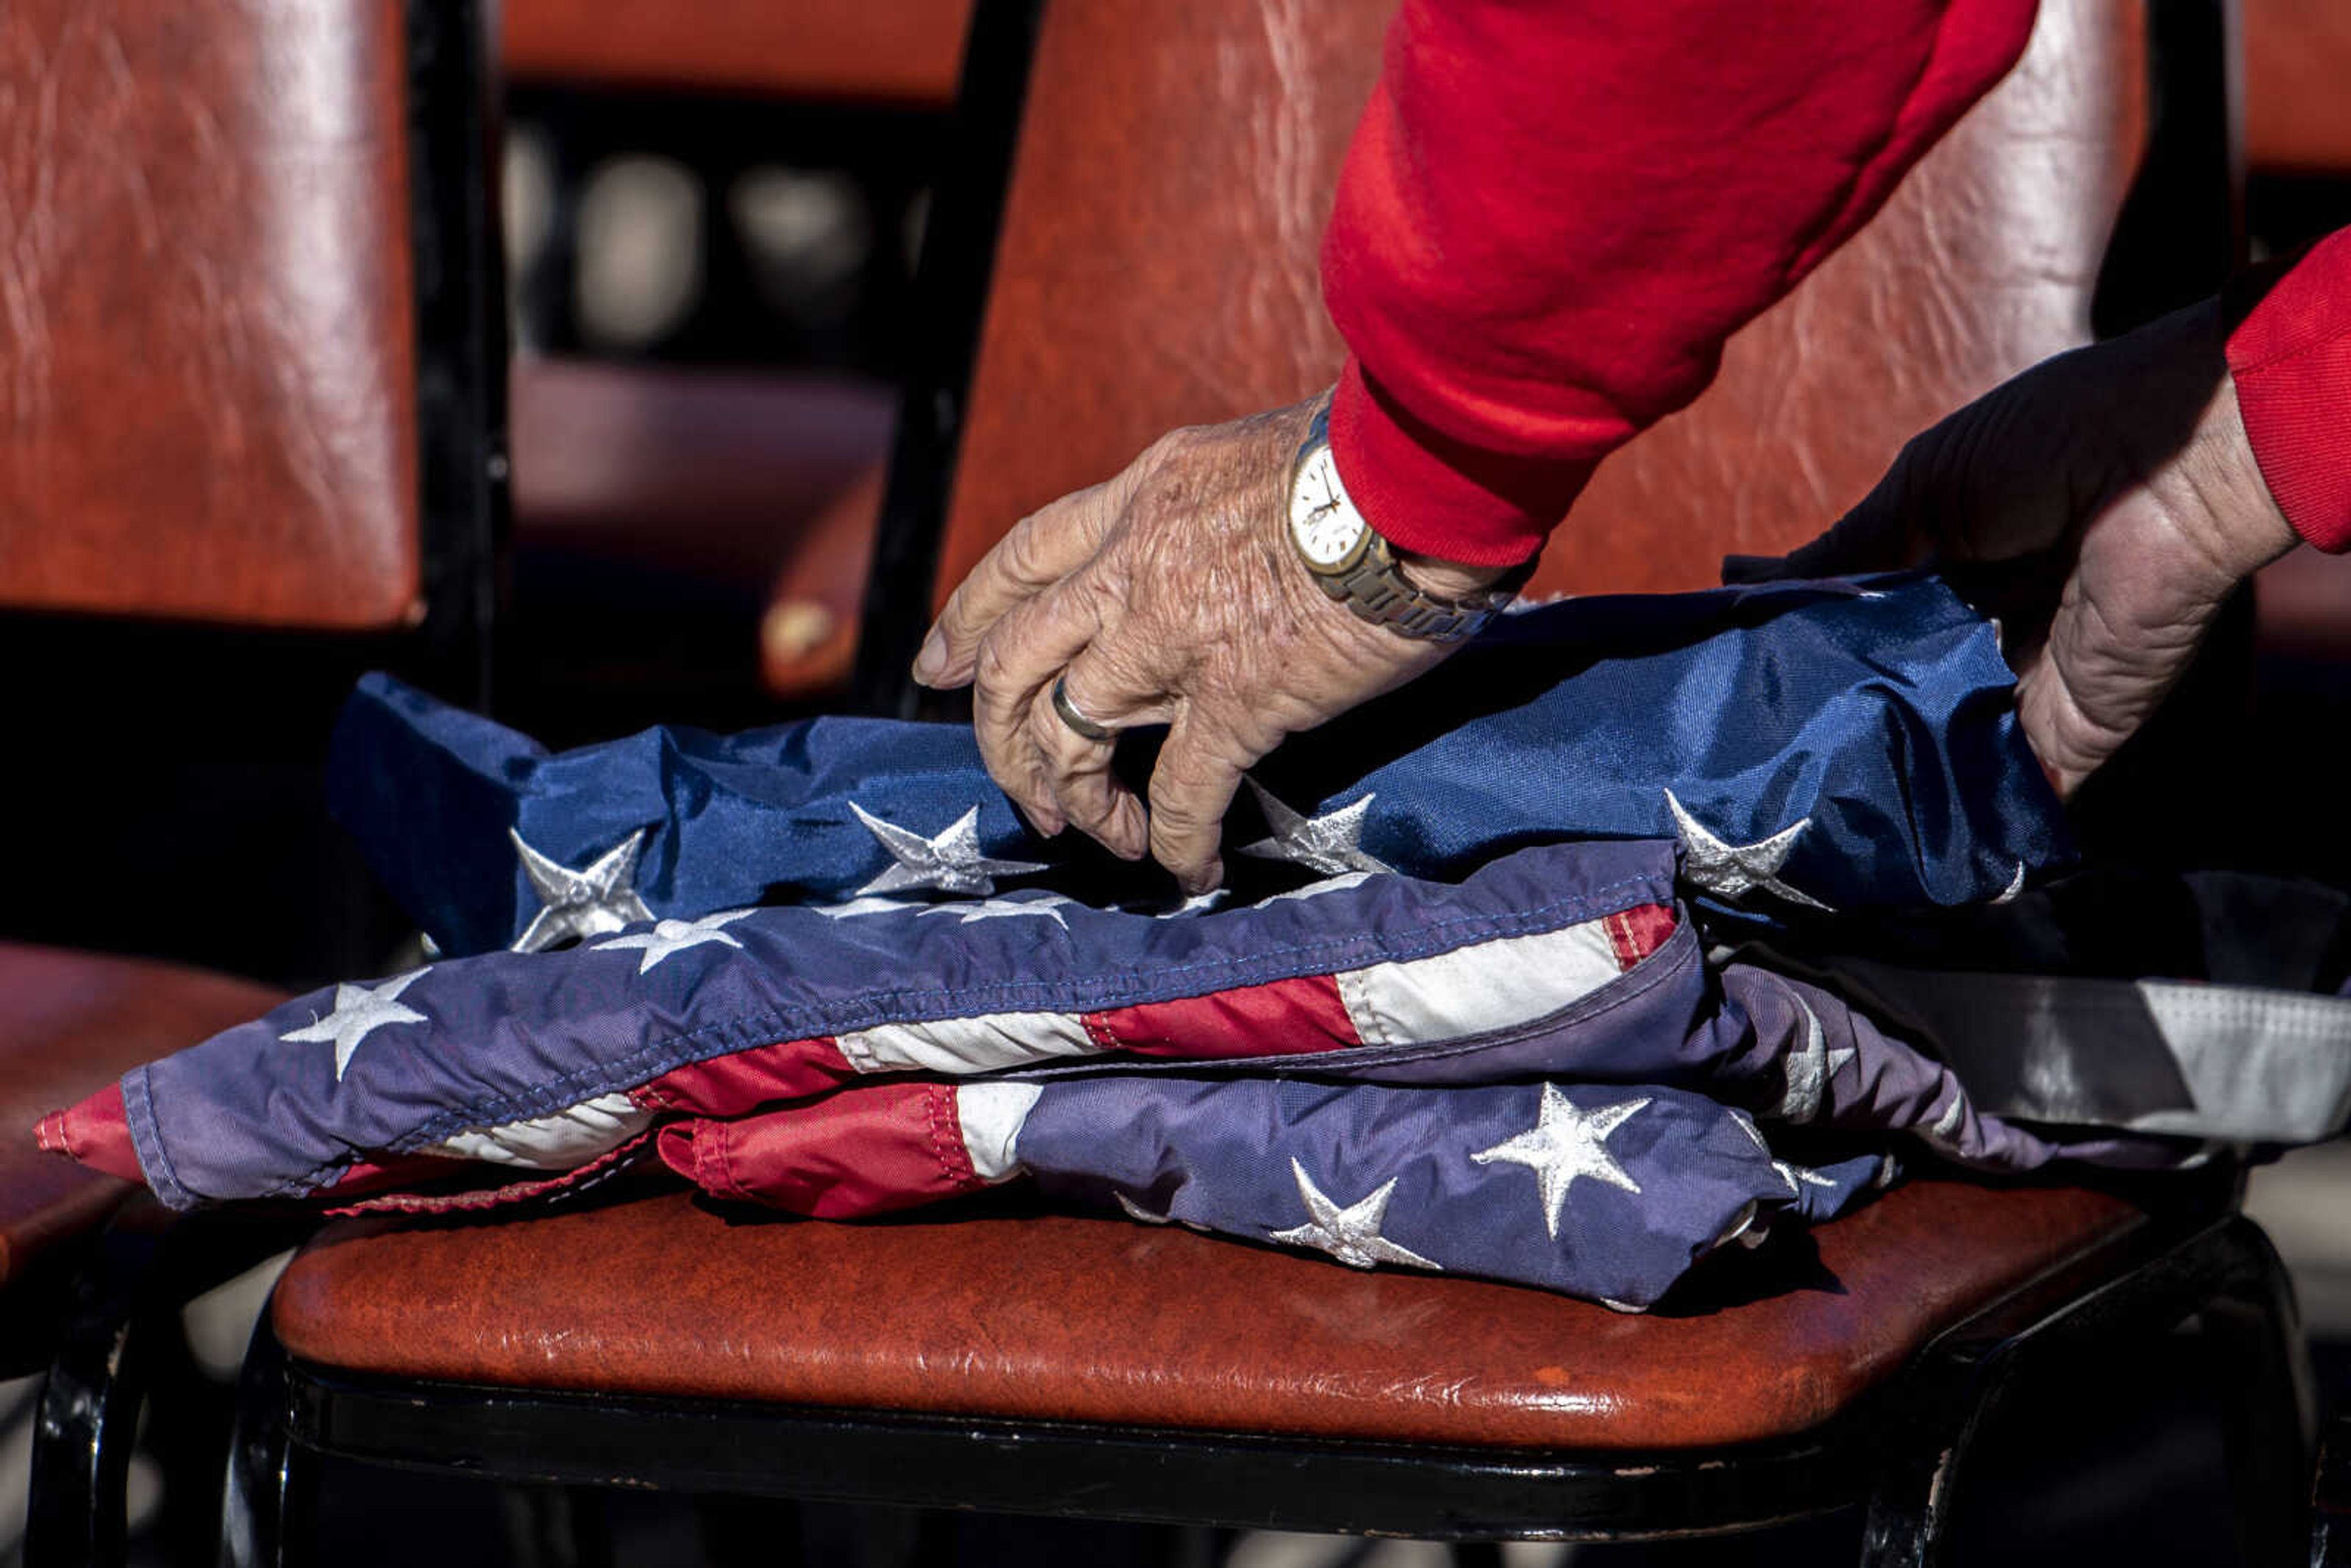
(2118, 484)
(1169, 595)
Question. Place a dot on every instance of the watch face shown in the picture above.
(1328, 530)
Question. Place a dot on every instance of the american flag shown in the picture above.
(1475, 1017)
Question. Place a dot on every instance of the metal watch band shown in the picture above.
(1376, 589)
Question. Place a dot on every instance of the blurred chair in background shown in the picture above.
(713, 205)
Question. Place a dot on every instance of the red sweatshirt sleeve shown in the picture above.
(2291, 359)
(1554, 212)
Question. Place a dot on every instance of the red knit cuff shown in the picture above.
(2290, 356)
(1429, 494)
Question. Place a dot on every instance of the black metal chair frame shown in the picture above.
(1904, 1451)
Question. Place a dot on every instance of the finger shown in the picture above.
(1076, 769)
(1200, 769)
(1017, 659)
(1042, 548)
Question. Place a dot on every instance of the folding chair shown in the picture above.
(253, 448)
(1155, 266)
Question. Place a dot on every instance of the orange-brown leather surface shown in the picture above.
(1102, 1319)
(901, 51)
(2297, 103)
(70, 1024)
(1157, 269)
(206, 357)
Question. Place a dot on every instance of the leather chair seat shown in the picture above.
(70, 1022)
(1049, 1316)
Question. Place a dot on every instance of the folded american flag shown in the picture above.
(1845, 747)
(1485, 1038)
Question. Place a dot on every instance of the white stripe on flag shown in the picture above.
(1485, 986)
(992, 1115)
(979, 1044)
(556, 1143)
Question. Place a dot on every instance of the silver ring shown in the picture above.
(1076, 720)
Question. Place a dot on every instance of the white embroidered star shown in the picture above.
(1736, 870)
(951, 862)
(359, 1012)
(1330, 843)
(857, 906)
(1317, 889)
(669, 937)
(1351, 1234)
(1006, 909)
(1798, 1177)
(1944, 1131)
(1566, 1143)
(1136, 1211)
(592, 903)
(1808, 1068)
(1197, 903)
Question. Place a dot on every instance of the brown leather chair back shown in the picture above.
(208, 406)
(868, 51)
(1158, 268)
(2297, 110)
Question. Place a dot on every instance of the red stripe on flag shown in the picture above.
(731, 1086)
(426, 1171)
(1637, 931)
(97, 1132)
(1283, 1017)
(866, 1150)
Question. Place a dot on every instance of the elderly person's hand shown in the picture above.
(2118, 482)
(1172, 594)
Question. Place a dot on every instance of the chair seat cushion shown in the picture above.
(1049, 1316)
(70, 1024)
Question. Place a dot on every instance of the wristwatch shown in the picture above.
(1358, 568)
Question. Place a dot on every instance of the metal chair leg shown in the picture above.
(258, 1494)
(2228, 1270)
(87, 1416)
(2272, 1427)
(2330, 1522)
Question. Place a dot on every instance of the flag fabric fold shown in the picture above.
(1815, 747)
(1470, 1015)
